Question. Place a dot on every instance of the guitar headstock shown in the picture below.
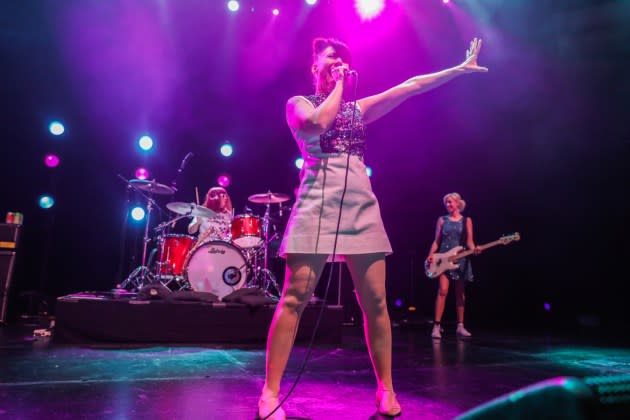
(506, 239)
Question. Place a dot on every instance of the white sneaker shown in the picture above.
(462, 332)
(436, 332)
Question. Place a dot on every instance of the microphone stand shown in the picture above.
(180, 170)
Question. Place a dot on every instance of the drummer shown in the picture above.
(216, 228)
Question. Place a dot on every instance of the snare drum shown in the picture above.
(173, 252)
(246, 230)
(216, 267)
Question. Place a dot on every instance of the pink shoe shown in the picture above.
(266, 405)
(387, 404)
(462, 332)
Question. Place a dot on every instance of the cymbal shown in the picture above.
(190, 209)
(268, 198)
(152, 187)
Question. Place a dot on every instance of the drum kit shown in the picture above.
(182, 262)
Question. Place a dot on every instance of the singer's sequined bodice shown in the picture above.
(343, 136)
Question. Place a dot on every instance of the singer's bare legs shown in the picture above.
(368, 275)
(302, 273)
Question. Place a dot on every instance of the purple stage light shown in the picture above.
(445, 1)
(398, 303)
(547, 306)
(233, 5)
(275, 12)
(142, 173)
(369, 9)
(299, 162)
(56, 128)
(310, 2)
(52, 161)
(224, 180)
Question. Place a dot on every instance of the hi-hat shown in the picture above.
(152, 187)
(268, 198)
(190, 209)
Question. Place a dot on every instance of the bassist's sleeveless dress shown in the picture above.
(453, 234)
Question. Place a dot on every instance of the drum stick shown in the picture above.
(197, 194)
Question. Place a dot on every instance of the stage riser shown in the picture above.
(121, 321)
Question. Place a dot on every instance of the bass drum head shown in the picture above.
(218, 268)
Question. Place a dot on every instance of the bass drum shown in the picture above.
(216, 267)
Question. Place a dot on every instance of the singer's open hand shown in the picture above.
(470, 64)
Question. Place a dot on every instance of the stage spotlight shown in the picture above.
(547, 306)
(142, 173)
(52, 161)
(137, 214)
(445, 1)
(56, 128)
(145, 143)
(233, 5)
(299, 162)
(369, 9)
(224, 180)
(46, 201)
(369, 171)
(275, 12)
(398, 303)
(227, 149)
(310, 2)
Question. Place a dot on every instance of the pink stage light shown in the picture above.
(369, 9)
(142, 173)
(52, 161)
(445, 1)
(275, 12)
(224, 180)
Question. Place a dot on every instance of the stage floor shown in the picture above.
(434, 379)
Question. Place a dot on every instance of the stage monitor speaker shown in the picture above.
(598, 397)
(7, 262)
(9, 234)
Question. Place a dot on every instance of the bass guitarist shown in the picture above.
(452, 230)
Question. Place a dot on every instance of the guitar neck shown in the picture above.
(466, 253)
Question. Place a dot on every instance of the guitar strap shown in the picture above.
(463, 238)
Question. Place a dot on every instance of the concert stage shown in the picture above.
(115, 317)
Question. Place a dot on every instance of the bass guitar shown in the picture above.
(448, 260)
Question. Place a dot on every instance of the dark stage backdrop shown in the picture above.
(538, 145)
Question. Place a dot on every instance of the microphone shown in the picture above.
(185, 161)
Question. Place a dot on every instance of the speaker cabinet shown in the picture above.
(9, 234)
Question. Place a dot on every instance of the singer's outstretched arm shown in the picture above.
(374, 107)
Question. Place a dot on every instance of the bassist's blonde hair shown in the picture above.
(461, 204)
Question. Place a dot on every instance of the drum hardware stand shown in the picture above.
(139, 276)
(265, 277)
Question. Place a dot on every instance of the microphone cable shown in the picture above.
(334, 253)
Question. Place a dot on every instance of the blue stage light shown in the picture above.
(46, 201)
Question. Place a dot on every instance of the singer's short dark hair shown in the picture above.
(320, 44)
